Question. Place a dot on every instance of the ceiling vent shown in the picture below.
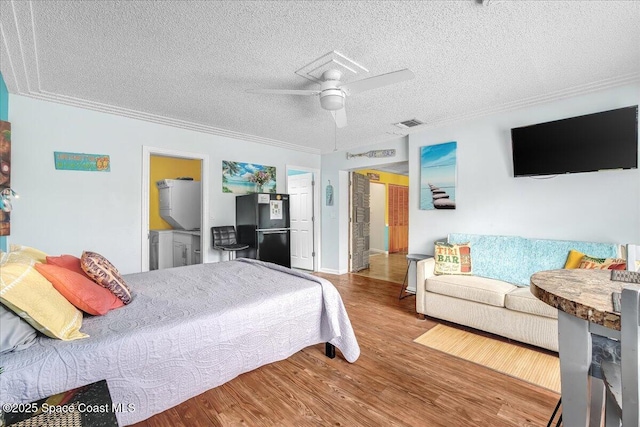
(409, 124)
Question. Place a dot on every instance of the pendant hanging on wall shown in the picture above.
(329, 194)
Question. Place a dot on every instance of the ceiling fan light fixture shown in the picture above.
(332, 99)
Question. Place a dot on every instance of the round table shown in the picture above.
(585, 307)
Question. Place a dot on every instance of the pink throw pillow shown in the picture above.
(79, 290)
(69, 262)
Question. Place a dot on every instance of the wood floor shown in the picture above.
(390, 267)
(395, 382)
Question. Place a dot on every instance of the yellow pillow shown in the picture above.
(22, 255)
(28, 294)
(573, 259)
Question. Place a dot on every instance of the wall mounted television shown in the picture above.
(605, 140)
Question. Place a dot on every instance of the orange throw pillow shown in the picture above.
(79, 290)
(69, 262)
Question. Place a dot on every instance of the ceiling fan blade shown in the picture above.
(340, 116)
(377, 81)
(284, 92)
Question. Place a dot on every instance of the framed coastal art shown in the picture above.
(438, 176)
(245, 178)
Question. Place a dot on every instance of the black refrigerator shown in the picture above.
(262, 222)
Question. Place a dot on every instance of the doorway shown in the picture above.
(389, 221)
(191, 247)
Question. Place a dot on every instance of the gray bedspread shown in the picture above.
(188, 329)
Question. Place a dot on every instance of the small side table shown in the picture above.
(411, 259)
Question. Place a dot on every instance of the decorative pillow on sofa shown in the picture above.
(15, 333)
(69, 262)
(603, 263)
(573, 259)
(28, 294)
(101, 271)
(452, 258)
(79, 290)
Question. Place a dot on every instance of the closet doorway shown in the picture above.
(398, 208)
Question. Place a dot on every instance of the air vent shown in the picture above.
(409, 124)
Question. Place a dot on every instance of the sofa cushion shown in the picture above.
(521, 299)
(471, 288)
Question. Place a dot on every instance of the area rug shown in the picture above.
(529, 365)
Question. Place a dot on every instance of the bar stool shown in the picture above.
(224, 239)
(411, 258)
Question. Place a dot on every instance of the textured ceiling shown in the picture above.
(188, 63)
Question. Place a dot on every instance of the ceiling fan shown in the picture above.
(333, 92)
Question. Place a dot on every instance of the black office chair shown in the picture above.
(224, 239)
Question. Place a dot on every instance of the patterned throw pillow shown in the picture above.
(101, 271)
(603, 263)
(452, 258)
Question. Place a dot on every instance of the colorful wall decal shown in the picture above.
(244, 178)
(82, 162)
(438, 176)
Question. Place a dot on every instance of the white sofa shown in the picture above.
(496, 298)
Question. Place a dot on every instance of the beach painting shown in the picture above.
(438, 176)
(245, 178)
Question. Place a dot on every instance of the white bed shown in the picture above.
(188, 329)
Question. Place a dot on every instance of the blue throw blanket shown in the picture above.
(514, 259)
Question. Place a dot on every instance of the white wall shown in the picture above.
(598, 206)
(70, 211)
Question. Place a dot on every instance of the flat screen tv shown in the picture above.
(605, 140)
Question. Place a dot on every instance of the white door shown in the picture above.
(300, 188)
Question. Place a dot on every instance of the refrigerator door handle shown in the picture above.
(273, 232)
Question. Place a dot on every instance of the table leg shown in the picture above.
(575, 360)
(404, 282)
